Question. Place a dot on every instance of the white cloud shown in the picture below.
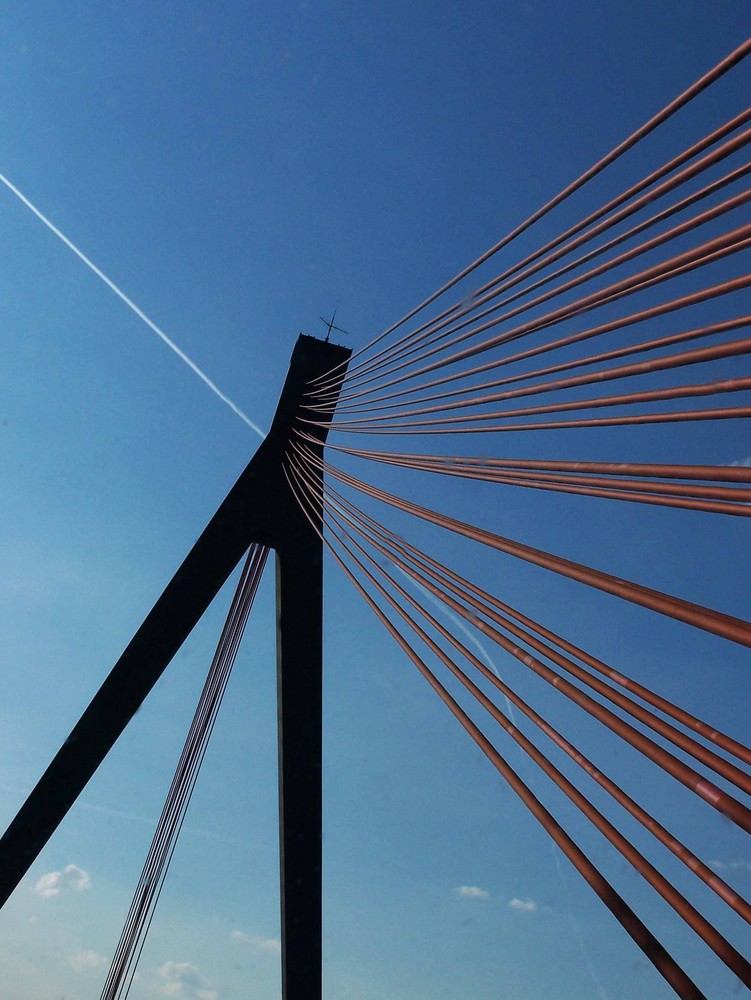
(264, 943)
(88, 959)
(184, 981)
(472, 892)
(523, 905)
(731, 866)
(744, 463)
(53, 883)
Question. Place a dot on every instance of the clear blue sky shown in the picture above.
(238, 170)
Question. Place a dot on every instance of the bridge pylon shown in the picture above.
(259, 508)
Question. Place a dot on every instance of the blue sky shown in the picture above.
(239, 170)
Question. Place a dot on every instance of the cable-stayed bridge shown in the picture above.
(647, 291)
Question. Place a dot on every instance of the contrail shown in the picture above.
(599, 988)
(131, 305)
(464, 628)
(459, 623)
(135, 817)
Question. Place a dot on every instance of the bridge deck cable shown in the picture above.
(151, 881)
(644, 938)
(711, 251)
(459, 371)
(726, 804)
(698, 923)
(417, 565)
(683, 99)
(337, 507)
(488, 603)
(707, 619)
(437, 331)
(686, 301)
(732, 500)
(642, 347)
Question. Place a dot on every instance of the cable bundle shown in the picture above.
(359, 543)
(141, 912)
(461, 372)
(422, 382)
(576, 288)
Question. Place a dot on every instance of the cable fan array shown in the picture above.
(671, 244)
(436, 405)
(125, 961)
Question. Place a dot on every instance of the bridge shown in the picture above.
(645, 292)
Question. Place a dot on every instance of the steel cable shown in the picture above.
(447, 328)
(700, 617)
(652, 948)
(722, 326)
(729, 806)
(125, 961)
(675, 105)
(698, 923)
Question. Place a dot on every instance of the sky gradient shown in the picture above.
(238, 171)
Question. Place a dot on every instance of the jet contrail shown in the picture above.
(599, 988)
(460, 624)
(131, 305)
(463, 627)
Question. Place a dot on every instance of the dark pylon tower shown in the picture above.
(259, 508)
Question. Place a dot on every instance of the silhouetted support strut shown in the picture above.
(259, 508)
